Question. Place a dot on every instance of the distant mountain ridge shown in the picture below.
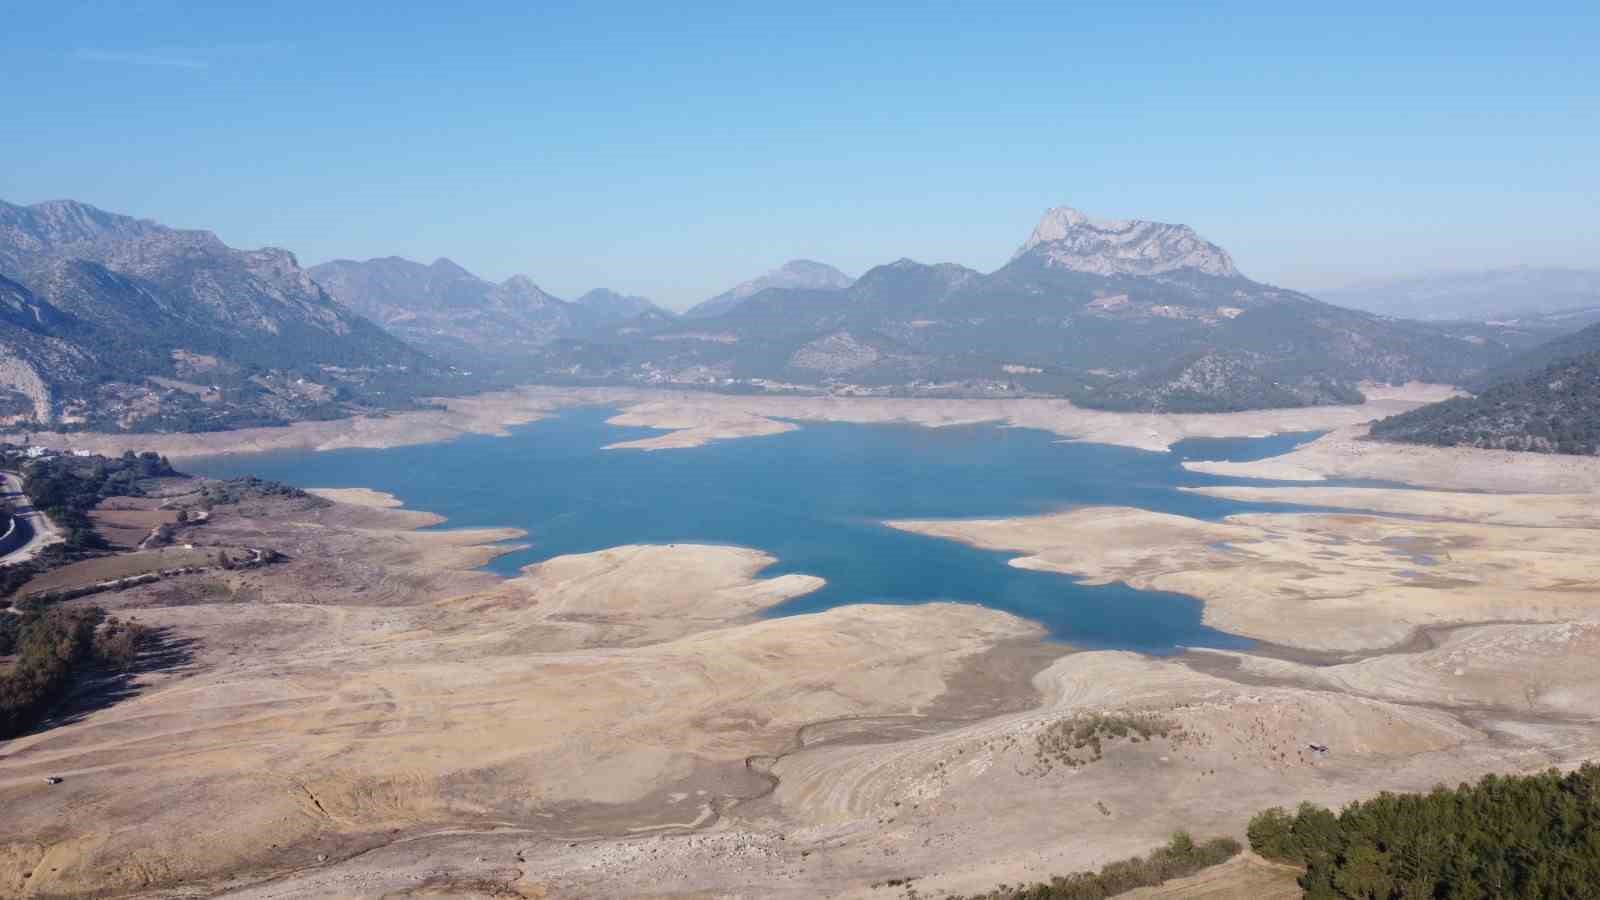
(456, 315)
(1120, 314)
(796, 274)
(1496, 293)
(120, 303)
(610, 307)
(446, 310)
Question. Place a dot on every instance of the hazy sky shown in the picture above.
(672, 151)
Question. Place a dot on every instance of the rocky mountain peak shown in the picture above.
(1066, 238)
(28, 232)
(66, 221)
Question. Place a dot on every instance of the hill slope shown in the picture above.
(449, 311)
(148, 327)
(1540, 357)
(458, 316)
(1553, 409)
(607, 307)
(1121, 315)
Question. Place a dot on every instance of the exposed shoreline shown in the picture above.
(1332, 582)
(692, 419)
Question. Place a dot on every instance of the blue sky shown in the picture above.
(674, 151)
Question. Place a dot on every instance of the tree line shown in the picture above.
(1180, 858)
(1506, 836)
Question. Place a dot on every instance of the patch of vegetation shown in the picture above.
(52, 647)
(15, 575)
(239, 490)
(1180, 858)
(1506, 836)
(66, 488)
(1081, 739)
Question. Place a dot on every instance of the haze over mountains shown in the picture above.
(1501, 293)
(107, 321)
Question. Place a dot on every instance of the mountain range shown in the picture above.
(1120, 314)
(460, 317)
(108, 321)
(122, 323)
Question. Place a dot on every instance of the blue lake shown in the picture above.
(814, 498)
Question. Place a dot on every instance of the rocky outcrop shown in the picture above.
(22, 378)
(1066, 238)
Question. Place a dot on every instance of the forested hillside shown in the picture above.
(1556, 409)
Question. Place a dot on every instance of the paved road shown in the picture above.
(42, 530)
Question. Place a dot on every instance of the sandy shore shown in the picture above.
(358, 497)
(1528, 510)
(696, 418)
(1339, 582)
(692, 419)
(1347, 454)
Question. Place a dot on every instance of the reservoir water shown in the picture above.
(813, 498)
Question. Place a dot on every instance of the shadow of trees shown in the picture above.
(99, 687)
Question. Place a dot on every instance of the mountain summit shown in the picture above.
(1067, 239)
(802, 274)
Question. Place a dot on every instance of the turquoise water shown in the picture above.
(813, 498)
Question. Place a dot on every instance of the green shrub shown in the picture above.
(1081, 739)
(1180, 858)
(49, 645)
